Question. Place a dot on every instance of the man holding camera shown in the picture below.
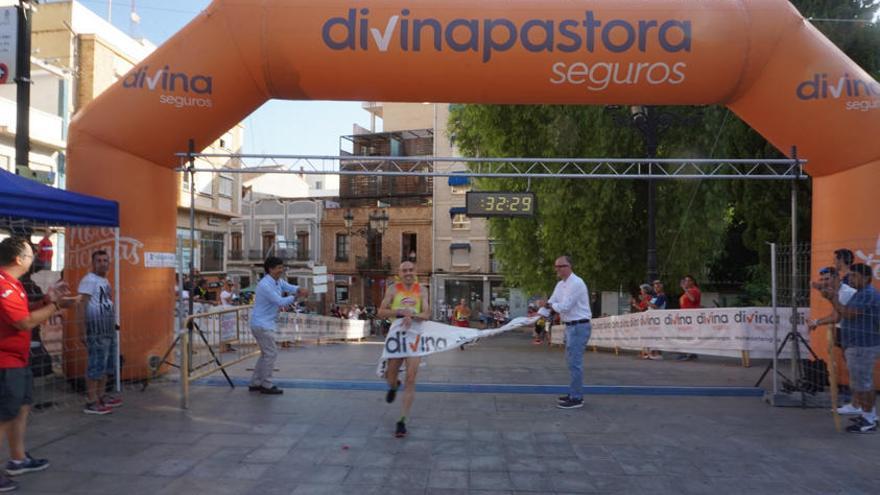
(860, 339)
(269, 299)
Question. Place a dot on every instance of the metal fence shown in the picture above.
(214, 340)
(815, 373)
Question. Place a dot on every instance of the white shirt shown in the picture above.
(226, 298)
(571, 299)
(98, 290)
(845, 293)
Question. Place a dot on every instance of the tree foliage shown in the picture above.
(715, 230)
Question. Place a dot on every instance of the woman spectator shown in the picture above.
(640, 303)
(227, 296)
(658, 301)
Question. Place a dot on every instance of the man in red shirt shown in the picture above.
(16, 381)
(46, 250)
(690, 299)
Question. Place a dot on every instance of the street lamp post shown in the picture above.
(377, 224)
(650, 122)
(644, 119)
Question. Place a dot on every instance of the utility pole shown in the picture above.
(23, 85)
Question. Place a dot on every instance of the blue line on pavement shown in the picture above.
(503, 389)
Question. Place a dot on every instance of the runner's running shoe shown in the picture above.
(400, 431)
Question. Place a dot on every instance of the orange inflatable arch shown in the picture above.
(760, 58)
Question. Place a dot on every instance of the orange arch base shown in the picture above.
(758, 57)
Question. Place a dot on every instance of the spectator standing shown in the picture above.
(97, 317)
(227, 300)
(268, 302)
(691, 295)
(829, 278)
(200, 297)
(336, 311)
(640, 303)
(843, 259)
(45, 250)
(571, 300)
(354, 313)
(16, 379)
(227, 295)
(462, 315)
(657, 301)
(690, 299)
(860, 337)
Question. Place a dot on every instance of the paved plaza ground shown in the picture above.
(331, 432)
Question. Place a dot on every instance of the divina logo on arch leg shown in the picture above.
(197, 89)
(859, 94)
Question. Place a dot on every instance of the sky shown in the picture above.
(278, 127)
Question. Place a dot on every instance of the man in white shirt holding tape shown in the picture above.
(571, 300)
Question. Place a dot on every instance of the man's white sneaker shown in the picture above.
(849, 409)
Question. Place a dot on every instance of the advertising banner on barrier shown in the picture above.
(228, 327)
(299, 326)
(711, 331)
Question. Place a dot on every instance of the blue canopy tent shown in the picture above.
(25, 203)
(24, 199)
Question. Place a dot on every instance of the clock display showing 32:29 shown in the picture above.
(500, 204)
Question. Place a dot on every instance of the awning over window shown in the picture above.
(457, 210)
(460, 245)
(459, 180)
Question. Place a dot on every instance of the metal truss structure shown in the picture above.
(510, 168)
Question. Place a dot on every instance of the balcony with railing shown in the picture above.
(371, 263)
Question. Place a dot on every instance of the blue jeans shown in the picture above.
(576, 337)
(101, 357)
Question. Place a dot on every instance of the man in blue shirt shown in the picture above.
(860, 338)
(269, 300)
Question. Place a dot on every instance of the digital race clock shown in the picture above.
(500, 204)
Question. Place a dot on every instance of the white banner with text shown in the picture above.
(710, 331)
(430, 337)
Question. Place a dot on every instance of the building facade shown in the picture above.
(283, 227)
(381, 221)
(462, 264)
(362, 257)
